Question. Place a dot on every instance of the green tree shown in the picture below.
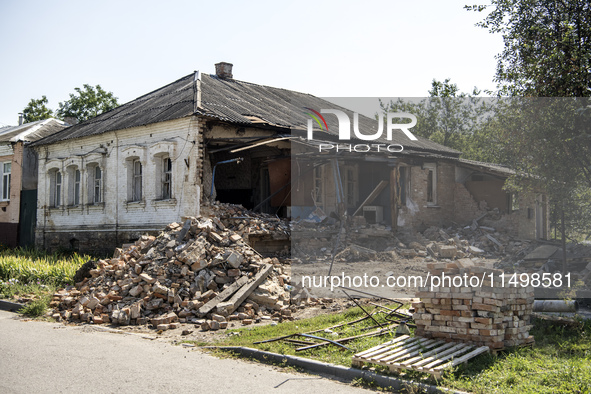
(87, 103)
(547, 46)
(448, 117)
(37, 110)
(547, 53)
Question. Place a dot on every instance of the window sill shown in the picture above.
(96, 207)
(74, 208)
(434, 206)
(171, 202)
(135, 204)
(4, 203)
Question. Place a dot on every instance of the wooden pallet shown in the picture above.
(419, 354)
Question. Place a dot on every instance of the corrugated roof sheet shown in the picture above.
(32, 131)
(232, 101)
(489, 167)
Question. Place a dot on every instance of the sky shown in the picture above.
(341, 48)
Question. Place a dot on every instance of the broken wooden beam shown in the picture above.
(493, 239)
(223, 296)
(233, 303)
(372, 196)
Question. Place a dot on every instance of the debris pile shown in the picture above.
(484, 313)
(200, 271)
(255, 228)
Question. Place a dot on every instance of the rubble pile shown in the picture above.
(250, 226)
(199, 271)
(487, 314)
(470, 241)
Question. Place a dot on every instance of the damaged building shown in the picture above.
(150, 162)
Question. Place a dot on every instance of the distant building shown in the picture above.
(18, 180)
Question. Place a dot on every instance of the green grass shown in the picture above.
(560, 361)
(32, 276)
(30, 265)
(36, 308)
(330, 353)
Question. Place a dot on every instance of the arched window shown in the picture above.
(134, 179)
(95, 184)
(74, 181)
(55, 188)
(166, 178)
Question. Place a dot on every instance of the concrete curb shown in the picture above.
(10, 306)
(338, 371)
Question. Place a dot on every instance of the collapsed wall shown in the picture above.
(486, 314)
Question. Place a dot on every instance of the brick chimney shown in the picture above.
(223, 70)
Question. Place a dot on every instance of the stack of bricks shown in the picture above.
(484, 313)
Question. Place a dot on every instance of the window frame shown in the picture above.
(136, 181)
(318, 190)
(94, 182)
(73, 186)
(55, 188)
(166, 178)
(431, 192)
(350, 182)
(77, 186)
(5, 181)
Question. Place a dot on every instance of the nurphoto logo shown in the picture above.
(345, 131)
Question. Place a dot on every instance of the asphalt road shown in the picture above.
(39, 357)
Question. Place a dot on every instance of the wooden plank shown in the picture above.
(386, 346)
(464, 358)
(372, 196)
(432, 358)
(439, 360)
(410, 354)
(405, 350)
(494, 240)
(401, 338)
(414, 353)
(425, 355)
(387, 349)
(233, 303)
(223, 296)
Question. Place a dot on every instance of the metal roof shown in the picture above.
(488, 167)
(30, 132)
(231, 101)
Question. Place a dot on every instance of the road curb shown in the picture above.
(338, 371)
(10, 306)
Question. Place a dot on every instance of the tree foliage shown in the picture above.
(547, 46)
(547, 53)
(87, 103)
(448, 117)
(37, 110)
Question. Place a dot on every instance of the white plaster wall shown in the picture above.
(111, 150)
